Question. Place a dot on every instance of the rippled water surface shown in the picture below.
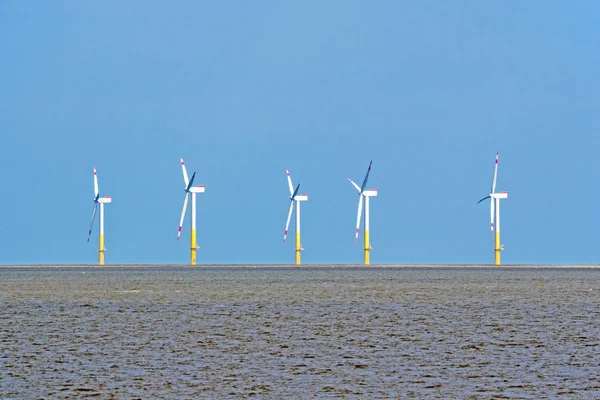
(299, 333)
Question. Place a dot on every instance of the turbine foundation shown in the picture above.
(367, 248)
(298, 249)
(497, 248)
(101, 250)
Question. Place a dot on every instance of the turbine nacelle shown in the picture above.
(105, 200)
(197, 189)
(366, 193)
(499, 195)
(370, 193)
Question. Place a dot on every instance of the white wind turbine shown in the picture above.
(295, 198)
(495, 206)
(366, 194)
(189, 188)
(99, 201)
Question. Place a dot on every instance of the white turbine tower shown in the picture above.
(295, 198)
(99, 201)
(495, 204)
(366, 194)
(189, 188)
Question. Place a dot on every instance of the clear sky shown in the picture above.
(428, 90)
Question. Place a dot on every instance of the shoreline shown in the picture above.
(304, 266)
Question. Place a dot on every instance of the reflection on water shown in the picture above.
(290, 333)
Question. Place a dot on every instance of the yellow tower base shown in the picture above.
(101, 250)
(193, 248)
(367, 248)
(298, 249)
(498, 248)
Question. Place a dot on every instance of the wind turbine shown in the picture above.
(294, 198)
(366, 194)
(495, 201)
(189, 188)
(99, 201)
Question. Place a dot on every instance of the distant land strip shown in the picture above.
(304, 266)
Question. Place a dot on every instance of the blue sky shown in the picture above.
(428, 90)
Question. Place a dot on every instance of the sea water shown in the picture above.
(299, 333)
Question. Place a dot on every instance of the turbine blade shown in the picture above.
(360, 206)
(354, 184)
(92, 223)
(185, 175)
(492, 214)
(289, 178)
(185, 201)
(364, 184)
(96, 192)
(189, 186)
(295, 192)
(287, 224)
(485, 198)
(495, 175)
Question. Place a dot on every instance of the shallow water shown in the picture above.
(299, 333)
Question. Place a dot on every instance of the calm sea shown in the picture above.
(176, 333)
